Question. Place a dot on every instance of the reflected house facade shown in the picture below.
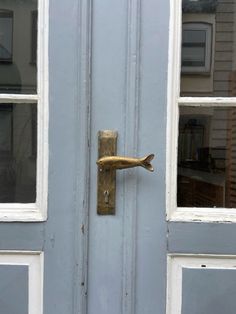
(214, 43)
(18, 32)
(207, 138)
(18, 122)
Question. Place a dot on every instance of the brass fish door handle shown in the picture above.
(108, 162)
(118, 162)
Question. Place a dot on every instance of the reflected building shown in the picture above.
(207, 136)
(18, 121)
(208, 48)
(18, 46)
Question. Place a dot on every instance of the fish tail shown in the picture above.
(146, 162)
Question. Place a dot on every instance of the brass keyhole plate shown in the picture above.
(106, 185)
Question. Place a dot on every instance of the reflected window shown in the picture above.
(18, 46)
(6, 33)
(34, 32)
(206, 157)
(5, 130)
(18, 153)
(208, 48)
(196, 47)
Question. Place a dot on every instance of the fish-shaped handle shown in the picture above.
(119, 162)
(108, 163)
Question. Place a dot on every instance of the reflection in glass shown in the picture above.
(208, 48)
(194, 46)
(6, 27)
(18, 46)
(206, 157)
(18, 138)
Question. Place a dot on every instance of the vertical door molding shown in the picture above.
(83, 157)
(131, 135)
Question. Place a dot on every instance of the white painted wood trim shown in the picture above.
(37, 211)
(173, 102)
(207, 101)
(34, 261)
(43, 109)
(20, 212)
(225, 215)
(175, 265)
(19, 99)
(174, 68)
(131, 134)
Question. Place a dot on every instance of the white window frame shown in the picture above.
(175, 213)
(35, 211)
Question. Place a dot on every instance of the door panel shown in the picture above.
(201, 250)
(204, 282)
(56, 237)
(202, 292)
(126, 270)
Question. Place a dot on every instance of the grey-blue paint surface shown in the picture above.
(208, 291)
(106, 291)
(13, 289)
(61, 228)
(201, 238)
(151, 226)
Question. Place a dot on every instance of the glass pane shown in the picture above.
(18, 46)
(18, 150)
(207, 157)
(193, 56)
(208, 48)
(194, 36)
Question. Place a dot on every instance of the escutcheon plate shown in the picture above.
(106, 184)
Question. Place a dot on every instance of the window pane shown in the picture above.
(194, 36)
(208, 48)
(6, 27)
(18, 150)
(18, 46)
(193, 56)
(207, 157)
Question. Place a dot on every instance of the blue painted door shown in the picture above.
(167, 89)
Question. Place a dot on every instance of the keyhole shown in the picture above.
(106, 196)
